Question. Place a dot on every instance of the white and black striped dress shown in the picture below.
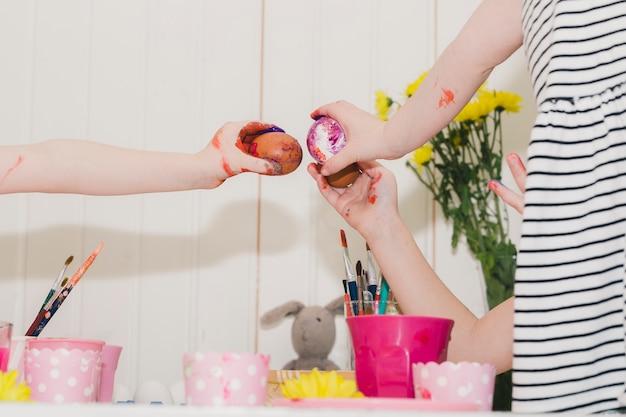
(569, 350)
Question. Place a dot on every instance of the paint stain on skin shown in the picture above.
(216, 143)
(447, 97)
(372, 197)
(347, 213)
(8, 172)
(226, 167)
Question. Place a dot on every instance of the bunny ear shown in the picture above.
(335, 306)
(273, 317)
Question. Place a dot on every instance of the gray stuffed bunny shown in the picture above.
(312, 332)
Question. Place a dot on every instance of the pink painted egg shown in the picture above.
(325, 138)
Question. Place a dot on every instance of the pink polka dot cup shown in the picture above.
(225, 379)
(62, 371)
(448, 382)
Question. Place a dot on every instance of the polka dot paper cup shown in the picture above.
(448, 382)
(62, 371)
(225, 379)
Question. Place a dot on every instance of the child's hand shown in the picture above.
(226, 154)
(364, 134)
(517, 168)
(367, 203)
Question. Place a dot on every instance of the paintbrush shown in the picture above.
(350, 273)
(346, 300)
(382, 295)
(359, 285)
(57, 284)
(372, 276)
(46, 314)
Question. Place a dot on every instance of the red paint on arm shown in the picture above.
(216, 143)
(446, 98)
(372, 197)
(8, 172)
(226, 167)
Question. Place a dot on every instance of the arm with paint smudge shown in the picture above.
(489, 37)
(77, 166)
(370, 206)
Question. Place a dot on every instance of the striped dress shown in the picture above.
(569, 350)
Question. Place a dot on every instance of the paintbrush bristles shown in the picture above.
(344, 242)
(83, 268)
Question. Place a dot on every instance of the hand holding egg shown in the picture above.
(274, 145)
(325, 139)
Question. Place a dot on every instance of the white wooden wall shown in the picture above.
(195, 270)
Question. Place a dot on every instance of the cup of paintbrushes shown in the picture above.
(385, 346)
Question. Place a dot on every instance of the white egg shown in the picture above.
(178, 392)
(152, 391)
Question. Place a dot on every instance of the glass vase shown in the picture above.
(499, 274)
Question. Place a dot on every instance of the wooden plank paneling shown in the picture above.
(195, 270)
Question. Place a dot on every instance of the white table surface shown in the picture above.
(143, 410)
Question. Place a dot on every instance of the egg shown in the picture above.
(279, 148)
(325, 139)
(152, 391)
(345, 177)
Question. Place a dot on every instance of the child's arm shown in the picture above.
(490, 36)
(84, 167)
(370, 207)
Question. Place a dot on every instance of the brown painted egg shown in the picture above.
(279, 148)
(345, 177)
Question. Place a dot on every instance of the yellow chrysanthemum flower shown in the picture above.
(410, 89)
(476, 110)
(10, 391)
(509, 102)
(320, 385)
(422, 155)
(383, 103)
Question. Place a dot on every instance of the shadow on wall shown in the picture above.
(231, 232)
(413, 208)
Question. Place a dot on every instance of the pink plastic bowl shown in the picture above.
(63, 370)
(225, 379)
(385, 347)
(449, 382)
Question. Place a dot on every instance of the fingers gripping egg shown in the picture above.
(280, 149)
(325, 139)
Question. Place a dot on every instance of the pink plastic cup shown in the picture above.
(385, 347)
(110, 359)
(463, 382)
(61, 370)
(230, 379)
